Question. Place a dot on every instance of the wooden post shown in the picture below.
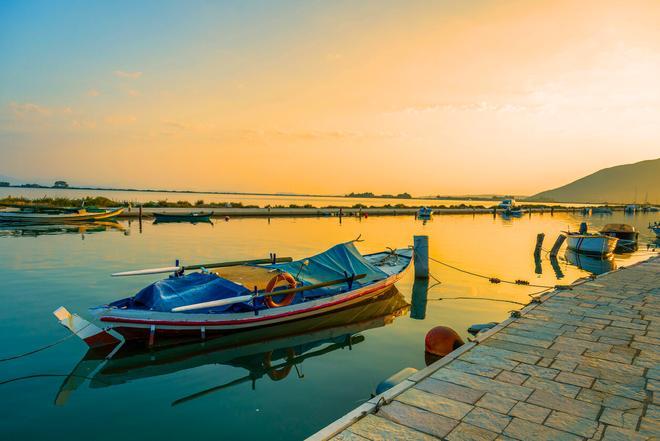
(558, 243)
(421, 244)
(140, 213)
(539, 243)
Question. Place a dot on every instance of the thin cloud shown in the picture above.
(93, 93)
(132, 75)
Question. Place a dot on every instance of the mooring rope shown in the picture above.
(50, 345)
(42, 348)
(28, 377)
(519, 282)
(480, 298)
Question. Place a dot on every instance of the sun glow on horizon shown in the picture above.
(446, 98)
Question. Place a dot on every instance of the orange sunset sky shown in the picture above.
(442, 97)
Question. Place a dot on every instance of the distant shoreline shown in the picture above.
(239, 193)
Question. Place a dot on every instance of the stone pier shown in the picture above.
(582, 364)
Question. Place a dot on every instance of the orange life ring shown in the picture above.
(281, 277)
(278, 374)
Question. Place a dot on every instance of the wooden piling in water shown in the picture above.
(558, 243)
(539, 243)
(421, 244)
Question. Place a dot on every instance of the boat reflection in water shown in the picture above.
(591, 263)
(272, 352)
(82, 228)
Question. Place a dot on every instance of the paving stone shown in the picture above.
(506, 390)
(610, 355)
(630, 391)
(522, 340)
(434, 403)
(494, 348)
(377, 429)
(609, 400)
(545, 362)
(495, 402)
(575, 379)
(529, 412)
(487, 419)
(450, 390)
(512, 377)
(527, 430)
(475, 367)
(347, 435)
(571, 423)
(564, 365)
(523, 349)
(567, 390)
(468, 432)
(613, 433)
(557, 402)
(619, 418)
(418, 419)
(536, 371)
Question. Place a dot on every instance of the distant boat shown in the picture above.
(630, 209)
(655, 227)
(626, 234)
(585, 211)
(601, 210)
(424, 213)
(513, 211)
(36, 217)
(507, 204)
(193, 216)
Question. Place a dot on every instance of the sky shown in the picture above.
(327, 97)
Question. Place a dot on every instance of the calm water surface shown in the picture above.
(224, 388)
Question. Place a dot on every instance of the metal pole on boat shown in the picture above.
(421, 244)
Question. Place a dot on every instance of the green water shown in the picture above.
(321, 368)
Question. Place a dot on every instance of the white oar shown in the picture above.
(247, 298)
(170, 269)
(223, 302)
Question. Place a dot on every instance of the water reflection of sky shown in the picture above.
(43, 271)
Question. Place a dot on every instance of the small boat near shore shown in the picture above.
(59, 216)
(241, 295)
(626, 234)
(193, 216)
(590, 243)
(601, 210)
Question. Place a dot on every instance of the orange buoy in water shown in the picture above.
(441, 340)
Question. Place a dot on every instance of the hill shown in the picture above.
(638, 182)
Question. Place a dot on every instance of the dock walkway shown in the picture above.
(582, 364)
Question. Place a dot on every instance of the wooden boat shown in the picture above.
(80, 215)
(242, 296)
(596, 244)
(193, 216)
(264, 352)
(626, 234)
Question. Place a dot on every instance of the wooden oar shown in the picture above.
(247, 298)
(170, 269)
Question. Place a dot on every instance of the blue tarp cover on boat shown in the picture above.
(186, 290)
(336, 263)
